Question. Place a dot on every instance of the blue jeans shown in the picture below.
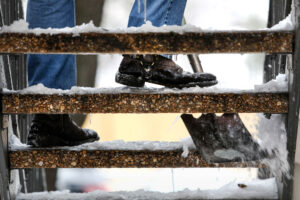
(159, 12)
(54, 71)
(59, 71)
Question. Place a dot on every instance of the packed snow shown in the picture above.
(277, 85)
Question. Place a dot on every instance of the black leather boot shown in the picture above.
(136, 70)
(58, 130)
(222, 139)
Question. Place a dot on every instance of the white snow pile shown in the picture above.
(288, 22)
(272, 137)
(21, 26)
(15, 143)
(278, 85)
(256, 189)
(285, 24)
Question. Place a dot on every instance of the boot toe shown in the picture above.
(205, 77)
(91, 134)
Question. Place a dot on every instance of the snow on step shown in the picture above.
(256, 189)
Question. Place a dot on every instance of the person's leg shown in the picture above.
(54, 71)
(159, 12)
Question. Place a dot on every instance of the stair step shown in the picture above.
(146, 101)
(255, 189)
(115, 154)
(151, 42)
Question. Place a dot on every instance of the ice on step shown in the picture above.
(256, 189)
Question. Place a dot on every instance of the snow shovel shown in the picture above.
(222, 139)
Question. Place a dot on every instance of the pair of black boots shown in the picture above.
(60, 130)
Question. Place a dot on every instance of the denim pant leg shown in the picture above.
(159, 12)
(54, 71)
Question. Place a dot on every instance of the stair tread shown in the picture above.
(144, 100)
(149, 42)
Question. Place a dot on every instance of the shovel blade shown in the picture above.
(221, 139)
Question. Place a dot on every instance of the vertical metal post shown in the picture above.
(294, 101)
(275, 64)
(4, 178)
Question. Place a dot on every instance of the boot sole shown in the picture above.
(187, 85)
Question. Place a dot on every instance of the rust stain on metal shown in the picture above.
(145, 103)
(55, 158)
(150, 43)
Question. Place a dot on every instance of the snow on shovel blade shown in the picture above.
(222, 139)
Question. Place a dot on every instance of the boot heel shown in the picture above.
(130, 80)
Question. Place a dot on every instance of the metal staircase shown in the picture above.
(277, 44)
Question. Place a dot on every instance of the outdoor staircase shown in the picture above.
(147, 101)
